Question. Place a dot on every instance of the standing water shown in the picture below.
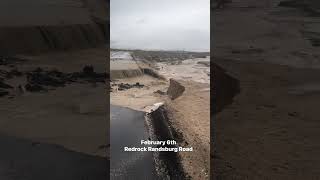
(127, 130)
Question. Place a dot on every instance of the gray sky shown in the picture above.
(164, 24)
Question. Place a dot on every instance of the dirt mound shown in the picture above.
(225, 87)
(175, 89)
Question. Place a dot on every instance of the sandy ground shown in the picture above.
(135, 98)
(191, 108)
(139, 98)
(270, 131)
(72, 118)
(190, 115)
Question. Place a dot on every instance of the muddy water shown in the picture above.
(127, 130)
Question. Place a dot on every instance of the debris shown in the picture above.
(4, 85)
(122, 86)
(39, 78)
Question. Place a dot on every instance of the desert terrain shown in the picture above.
(177, 81)
(269, 130)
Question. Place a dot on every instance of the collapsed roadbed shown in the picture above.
(168, 164)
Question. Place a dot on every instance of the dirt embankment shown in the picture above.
(128, 73)
(50, 26)
(168, 163)
(189, 103)
(225, 87)
(51, 38)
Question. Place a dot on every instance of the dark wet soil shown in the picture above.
(42, 79)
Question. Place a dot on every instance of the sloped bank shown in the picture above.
(129, 73)
(168, 164)
(38, 39)
(225, 87)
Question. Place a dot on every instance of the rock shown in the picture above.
(122, 86)
(47, 78)
(175, 89)
(138, 85)
(54, 78)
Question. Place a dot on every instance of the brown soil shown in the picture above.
(269, 132)
(271, 129)
(189, 115)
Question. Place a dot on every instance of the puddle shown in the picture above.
(128, 128)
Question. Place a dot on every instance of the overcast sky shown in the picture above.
(161, 25)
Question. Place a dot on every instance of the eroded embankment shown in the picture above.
(168, 163)
(38, 39)
(160, 129)
(225, 87)
(129, 73)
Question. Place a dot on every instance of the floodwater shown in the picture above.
(197, 70)
(127, 130)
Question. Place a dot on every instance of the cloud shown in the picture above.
(166, 24)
